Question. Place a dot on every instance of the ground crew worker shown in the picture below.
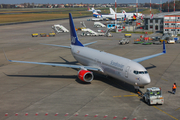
(174, 88)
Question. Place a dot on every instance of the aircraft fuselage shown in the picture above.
(112, 65)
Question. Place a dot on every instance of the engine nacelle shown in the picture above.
(85, 75)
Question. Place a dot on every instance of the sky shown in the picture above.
(75, 1)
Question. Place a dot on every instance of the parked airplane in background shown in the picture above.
(109, 16)
(96, 15)
(91, 10)
(129, 71)
(132, 14)
(126, 15)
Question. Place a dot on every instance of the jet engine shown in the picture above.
(85, 75)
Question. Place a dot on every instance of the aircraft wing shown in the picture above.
(61, 65)
(151, 56)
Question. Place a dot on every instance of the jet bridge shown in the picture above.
(59, 28)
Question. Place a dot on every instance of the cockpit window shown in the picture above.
(140, 72)
(135, 72)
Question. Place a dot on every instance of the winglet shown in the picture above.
(74, 37)
(164, 47)
(6, 56)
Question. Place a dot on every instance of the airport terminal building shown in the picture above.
(168, 22)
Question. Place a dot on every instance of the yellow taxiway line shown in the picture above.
(165, 112)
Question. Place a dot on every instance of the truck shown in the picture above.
(123, 41)
(34, 35)
(127, 35)
(153, 96)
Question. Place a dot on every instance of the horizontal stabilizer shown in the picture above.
(89, 43)
(56, 45)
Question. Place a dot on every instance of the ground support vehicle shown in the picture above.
(153, 96)
(98, 24)
(43, 34)
(89, 32)
(162, 41)
(171, 41)
(52, 34)
(34, 35)
(157, 43)
(127, 35)
(146, 43)
(107, 33)
(138, 42)
(59, 28)
(123, 41)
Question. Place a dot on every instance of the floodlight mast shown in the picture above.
(116, 17)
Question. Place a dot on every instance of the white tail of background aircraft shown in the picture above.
(129, 71)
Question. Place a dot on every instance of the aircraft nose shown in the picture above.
(146, 79)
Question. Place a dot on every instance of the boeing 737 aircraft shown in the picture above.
(129, 71)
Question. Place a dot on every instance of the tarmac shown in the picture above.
(44, 92)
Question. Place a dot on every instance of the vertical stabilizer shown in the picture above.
(112, 11)
(123, 11)
(74, 37)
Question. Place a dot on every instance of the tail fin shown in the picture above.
(123, 11)
(74, 37)
(112, 11)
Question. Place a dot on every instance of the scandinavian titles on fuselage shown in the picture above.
(116, 64)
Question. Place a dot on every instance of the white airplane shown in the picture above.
(129, 71)
(91, 10)
(109, 16)
(127, 15)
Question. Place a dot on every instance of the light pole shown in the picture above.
(116, 17)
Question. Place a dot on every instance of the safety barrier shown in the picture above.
(75, 115)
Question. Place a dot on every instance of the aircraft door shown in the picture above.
(127, 71)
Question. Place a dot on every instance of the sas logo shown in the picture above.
(137, 78)
(73, 40)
